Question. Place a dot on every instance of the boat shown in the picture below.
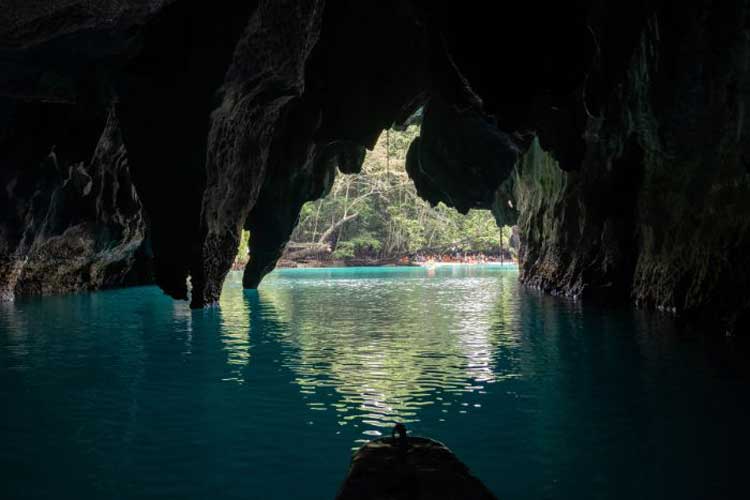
(405, 467)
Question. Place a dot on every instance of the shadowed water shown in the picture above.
(128, 394)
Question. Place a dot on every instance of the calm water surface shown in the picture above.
(127, 394)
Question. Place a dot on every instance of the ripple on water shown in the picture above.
(386, 347)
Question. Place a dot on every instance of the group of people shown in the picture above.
(454, 258)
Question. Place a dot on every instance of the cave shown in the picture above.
(140, 139)
(613, 131)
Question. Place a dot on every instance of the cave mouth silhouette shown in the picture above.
(611, 134)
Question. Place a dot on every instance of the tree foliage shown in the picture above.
(377, 213)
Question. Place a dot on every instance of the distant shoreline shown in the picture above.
(323, 264)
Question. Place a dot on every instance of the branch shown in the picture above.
(329, 232)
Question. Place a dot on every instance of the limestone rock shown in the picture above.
(82, 224)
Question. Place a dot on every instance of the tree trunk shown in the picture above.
(296, 250)
(329, 232)
(308, 251)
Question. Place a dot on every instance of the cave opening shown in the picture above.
(376, 217)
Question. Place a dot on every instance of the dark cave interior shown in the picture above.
(138, 138)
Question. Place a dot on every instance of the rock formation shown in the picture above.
(613, 132)
(657, 210)
(71, 219)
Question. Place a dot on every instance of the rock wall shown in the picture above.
(167, 92)
(71, 219)
(658, 210)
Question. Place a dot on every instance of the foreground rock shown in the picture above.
(413, 468)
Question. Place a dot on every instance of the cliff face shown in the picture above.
(234, 115)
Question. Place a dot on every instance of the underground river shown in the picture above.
(128, 394)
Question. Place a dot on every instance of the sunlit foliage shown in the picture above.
(385, 217)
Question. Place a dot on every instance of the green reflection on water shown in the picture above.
(374, 346)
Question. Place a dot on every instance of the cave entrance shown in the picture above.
(376, 217)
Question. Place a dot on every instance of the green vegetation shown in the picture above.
(377, 214)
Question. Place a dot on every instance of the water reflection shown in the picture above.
(373, 350)
(235, 329)
(127, 394)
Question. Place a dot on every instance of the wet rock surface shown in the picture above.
(614, 133)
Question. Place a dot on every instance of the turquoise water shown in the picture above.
(126, 394)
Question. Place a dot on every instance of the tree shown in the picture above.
(378, 214)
